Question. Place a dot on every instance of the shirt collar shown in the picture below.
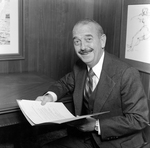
(98, 67)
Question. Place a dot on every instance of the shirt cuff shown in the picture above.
(53, 95)
(98, 125)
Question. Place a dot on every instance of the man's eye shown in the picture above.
(88, 39)
(76, 42)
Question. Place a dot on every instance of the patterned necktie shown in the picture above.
(89, 85)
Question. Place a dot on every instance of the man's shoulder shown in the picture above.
(113, 64)
(116, 61)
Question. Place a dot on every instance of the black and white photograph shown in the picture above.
(74, 73)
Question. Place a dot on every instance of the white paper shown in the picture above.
(51, 112)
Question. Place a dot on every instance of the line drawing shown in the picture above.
(4, 22)
(144, 32)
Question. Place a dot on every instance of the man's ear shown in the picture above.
(103, 40)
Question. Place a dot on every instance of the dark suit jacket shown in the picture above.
(119, 91)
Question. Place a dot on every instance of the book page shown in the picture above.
(50, 112)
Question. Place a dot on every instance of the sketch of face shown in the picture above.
(145, 11)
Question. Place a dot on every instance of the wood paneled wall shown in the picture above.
(47, 26)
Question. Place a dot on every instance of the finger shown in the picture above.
(40, 98)
(80, 128)
(46, 99)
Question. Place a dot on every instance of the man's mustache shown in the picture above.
(85, 51)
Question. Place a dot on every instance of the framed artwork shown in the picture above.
(135, 34)
(11, 31)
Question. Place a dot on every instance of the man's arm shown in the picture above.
(58, 89)
(134, 107)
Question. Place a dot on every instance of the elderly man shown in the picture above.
(101, 82)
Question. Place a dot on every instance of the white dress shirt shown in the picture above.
(97, 71)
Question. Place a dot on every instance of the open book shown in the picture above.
(51, 112)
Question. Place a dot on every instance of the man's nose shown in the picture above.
(83, 45)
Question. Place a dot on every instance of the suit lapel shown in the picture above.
(102, 92)
(79, 89)
(105, 85)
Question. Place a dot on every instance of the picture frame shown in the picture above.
(135, 38)
(11, 30)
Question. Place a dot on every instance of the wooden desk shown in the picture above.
(19, 86)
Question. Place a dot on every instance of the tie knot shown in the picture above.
(91, 73)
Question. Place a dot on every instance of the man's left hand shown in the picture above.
(85, 125)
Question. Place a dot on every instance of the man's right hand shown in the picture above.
(45, 98)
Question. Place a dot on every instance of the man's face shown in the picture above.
(88, 44)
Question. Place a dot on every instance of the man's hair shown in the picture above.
(87, 21)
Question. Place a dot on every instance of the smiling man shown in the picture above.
(89, 42)
(101, 82)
